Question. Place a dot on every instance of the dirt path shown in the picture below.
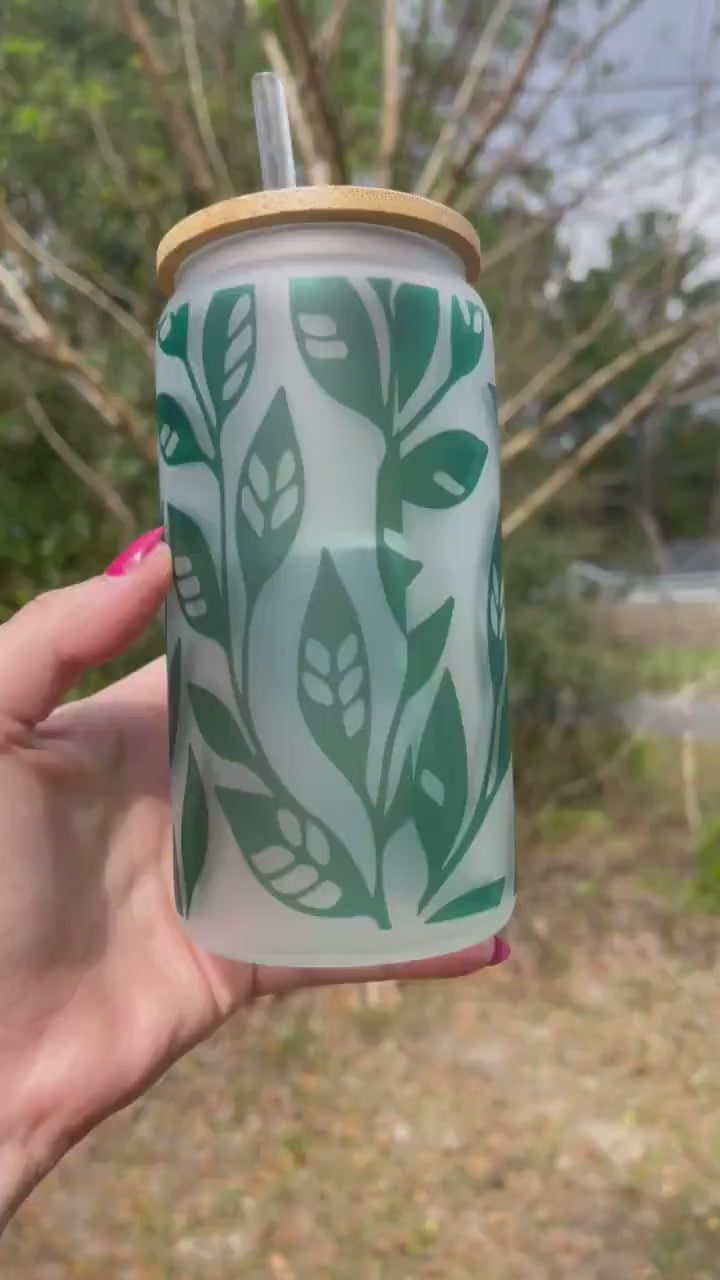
(556, 1120)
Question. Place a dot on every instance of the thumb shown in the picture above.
(47, 645)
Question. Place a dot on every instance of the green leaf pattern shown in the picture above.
(295, 856)
(467, 337)
(440, 791)
(270, 497)
(426, 643)
(444, 470)
(485, 898)
(174, 696)
(173, 330)
(334, 677)
(337, 341)
(499, 752)
(177, 441)
(218, 726)
(373, 359)
(416, 322)
(194, 829)
(229, 343)
(194, 576)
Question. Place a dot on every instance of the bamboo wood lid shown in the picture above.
(294, 205)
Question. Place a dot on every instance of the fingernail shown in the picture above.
(134, 555)
(501, 951)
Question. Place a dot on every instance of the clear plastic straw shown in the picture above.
(277, 165)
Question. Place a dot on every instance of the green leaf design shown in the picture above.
(397, 571)
(444, 470)
(383, 288)
(176, 439)
(178, 892)
(174, 696)
(400, 809)
(440, 792)
(337, 342)
(194, 829)
(471, 903)
(425, 647)
(334, 677)
(397, 568)
(497, 643)
(499, 750)
(467, 337)
(172, 334)
(416, 323)
(271, 496)
(194, 576)
(294, 856)
(218, 726)
(228, 345)
(498, 756)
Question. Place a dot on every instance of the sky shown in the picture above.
(658, 55)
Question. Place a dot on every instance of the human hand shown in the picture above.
(101, 988)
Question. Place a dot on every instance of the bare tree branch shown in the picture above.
(510, 156)
(180, 126)
(315, 165)
(327, 127)
(138, 304)
(35, 323)
(603, 377)
(688, 180)
(415, 64)
(550, 370)
(32, 333)
(17, 235)
(92, 479)
(539, 226)
(650, 394)
(390, 117)
(461, 103)
(695, 396)
(107, 149)
(188, 33)
(328, 36)
(499, 107)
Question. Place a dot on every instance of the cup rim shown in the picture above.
(290, 206)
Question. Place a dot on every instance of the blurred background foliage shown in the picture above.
(117, 118)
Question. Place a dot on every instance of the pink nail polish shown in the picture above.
(133, 555)
(501, 951)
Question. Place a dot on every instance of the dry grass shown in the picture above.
(665, 623)
(555, 1120)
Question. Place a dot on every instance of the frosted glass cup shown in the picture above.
(327, 434)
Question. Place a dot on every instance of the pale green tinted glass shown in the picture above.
(340, 749)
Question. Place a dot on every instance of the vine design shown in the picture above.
(384, 378)
(292, 852)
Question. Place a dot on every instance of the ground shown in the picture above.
(555, 1119)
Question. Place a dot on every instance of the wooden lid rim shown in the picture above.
(294, 205)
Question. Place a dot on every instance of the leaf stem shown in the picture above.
(388, 752)
(241, 693)
(200, 400)
(388, 460)
(242, 705)
(427, 408)
(382, 915)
